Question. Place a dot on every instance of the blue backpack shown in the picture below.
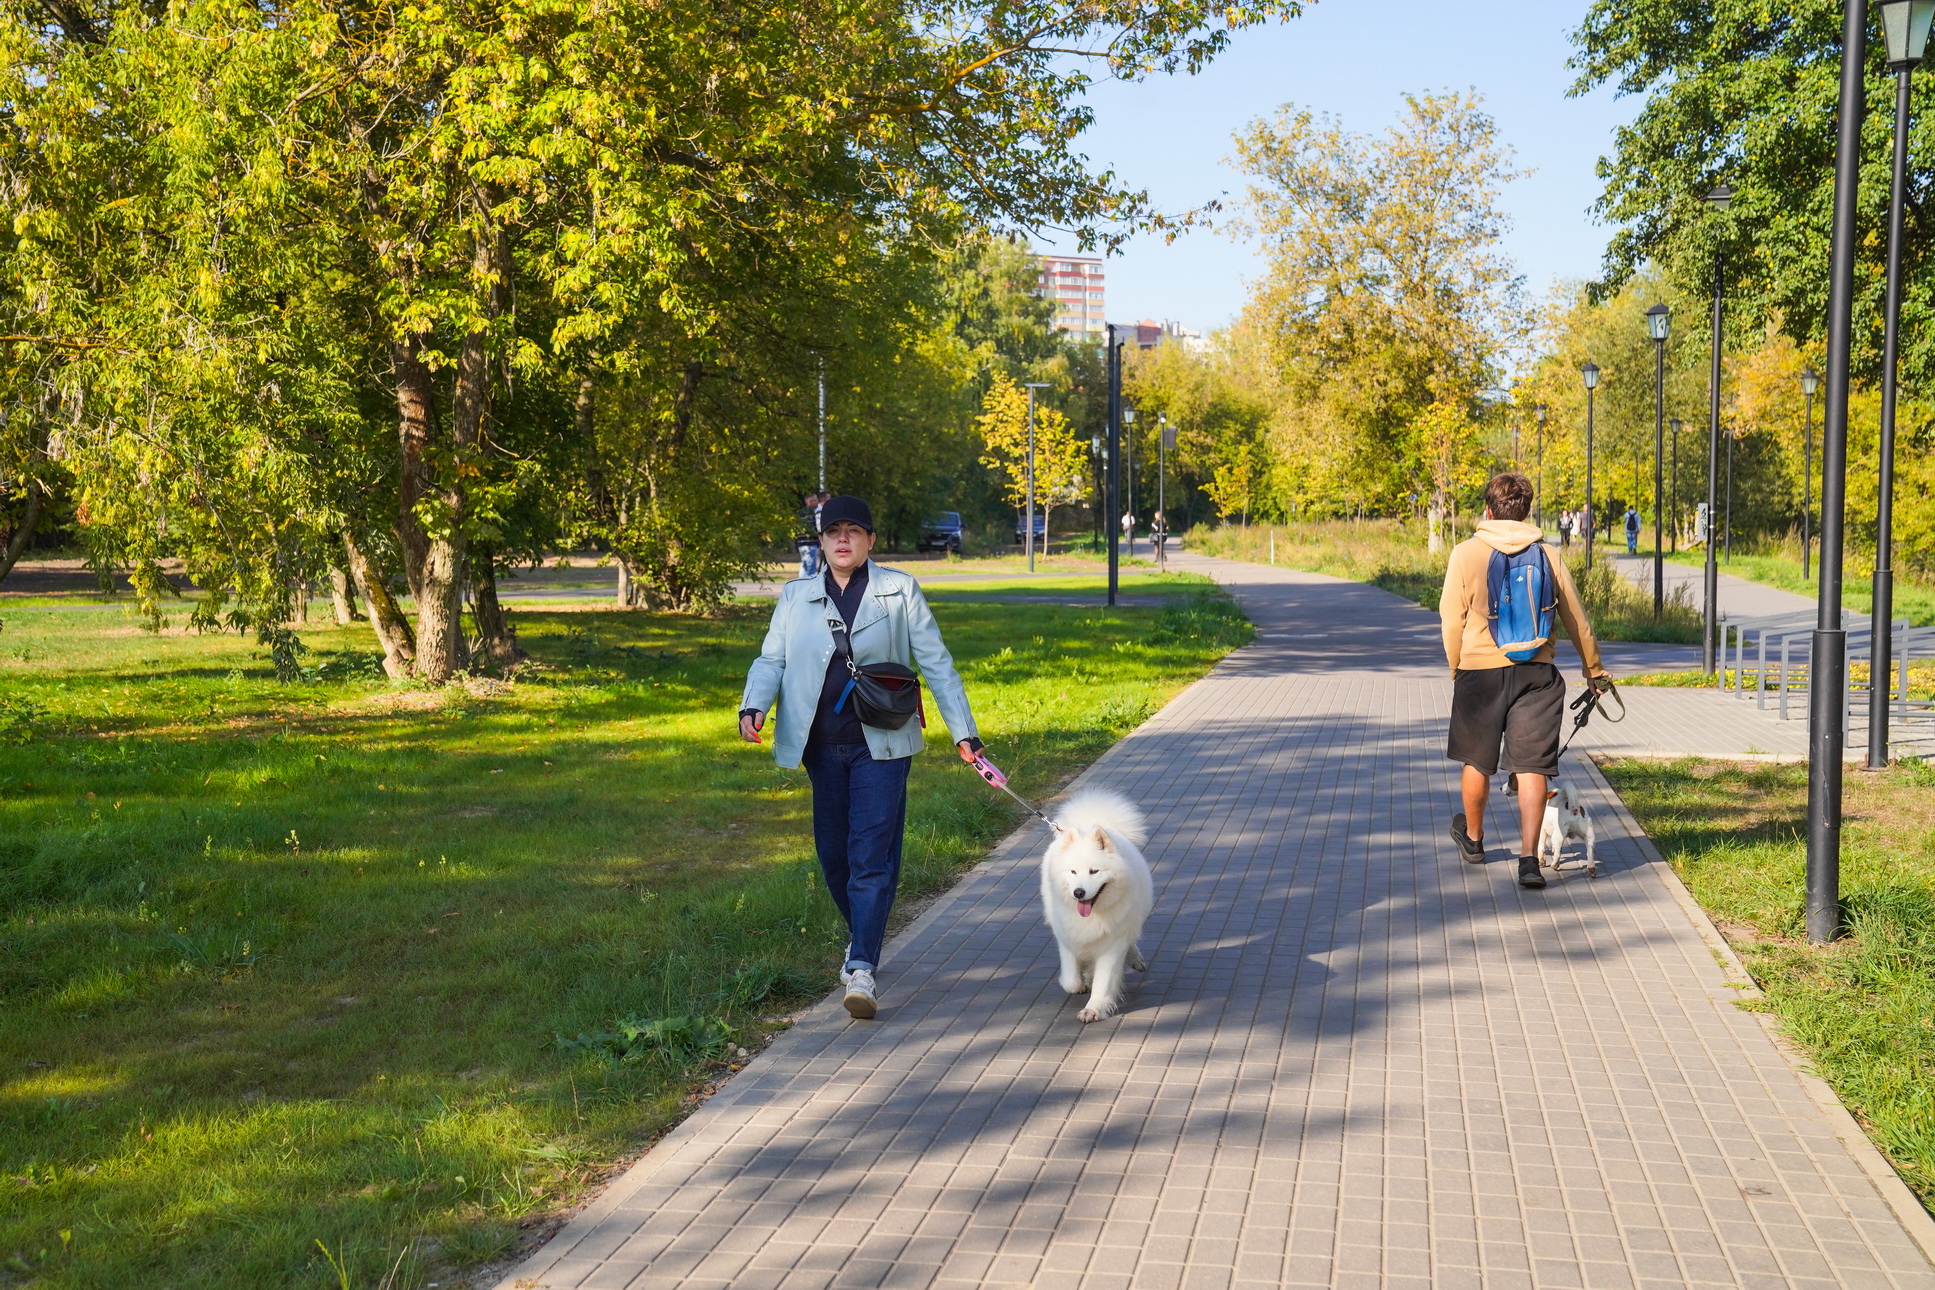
(1522, 600)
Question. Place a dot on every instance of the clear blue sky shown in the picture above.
(1355, 60)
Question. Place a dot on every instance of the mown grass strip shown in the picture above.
(336, 973)
(1864, 1007)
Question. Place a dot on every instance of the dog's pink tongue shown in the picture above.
(1084, 907)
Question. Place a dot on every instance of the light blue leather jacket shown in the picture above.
(892, 625)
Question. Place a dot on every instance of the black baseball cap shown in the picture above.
(845, 510)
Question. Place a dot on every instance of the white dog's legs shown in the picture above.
(1072, 979)
(1592, 860)
(1136, 961)
(1107, 994)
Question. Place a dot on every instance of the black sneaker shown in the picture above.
(1474, 852)
(1528, 872)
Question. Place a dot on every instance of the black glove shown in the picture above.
(972, 750)
(1601, 684)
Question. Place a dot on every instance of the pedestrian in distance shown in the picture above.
(808, 541)
(1128, 530)
(1632, 531)
(1502, 587)
(1565, 529)
(863, 614)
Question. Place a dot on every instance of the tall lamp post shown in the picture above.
(1674, 489)
(1810, 382)
(1720, 196)
(1590, 374)
(1128, 472)
(1538, 493)
(1164, 442)
(1904, 24)
(1828, 661)
(1727, 532)
(1032, 386)
(1113, 458)
(1658, 323)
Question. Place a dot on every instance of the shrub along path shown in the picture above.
(1355, 1060)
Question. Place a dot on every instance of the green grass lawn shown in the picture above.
(338, 973)
(1862, 1006)
(1394, 555)
(1914, 601)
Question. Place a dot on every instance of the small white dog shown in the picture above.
(1566, 820)
(1096, 893)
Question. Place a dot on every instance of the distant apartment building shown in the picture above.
(1149, 333)
(1074, 283)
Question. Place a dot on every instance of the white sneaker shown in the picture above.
(860, 994)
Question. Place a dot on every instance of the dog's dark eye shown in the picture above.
(1095, 871)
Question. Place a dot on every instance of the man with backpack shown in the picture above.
(1502, 589)
(1632, 531)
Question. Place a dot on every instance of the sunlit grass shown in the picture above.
(1862, 1006)
(283, 964)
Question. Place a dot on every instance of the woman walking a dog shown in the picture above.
(858, 612)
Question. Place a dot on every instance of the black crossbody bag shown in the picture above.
(885, 696)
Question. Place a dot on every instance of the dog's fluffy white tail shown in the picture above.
(1104, 808)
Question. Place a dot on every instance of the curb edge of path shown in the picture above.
(1900, 1198)
(523, 1276)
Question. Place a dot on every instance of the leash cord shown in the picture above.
(1589, 702)
(987, 771)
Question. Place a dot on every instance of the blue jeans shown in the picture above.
(859, 818)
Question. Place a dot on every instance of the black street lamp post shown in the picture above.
(1590, 374)
(1904, 24)
(1658, 323)
(1676, 423)
(1538, 493)
(1810, 382)
(1828, 660)
(1128, 470)
(1031, 387)
(1113, 461)
(1720, 196)
(1728, 530)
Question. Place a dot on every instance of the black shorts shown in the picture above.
(1521, 706)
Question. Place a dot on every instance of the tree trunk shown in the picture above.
(627, 585)
(22, 536)
(417, 429)
(392, 628)
(441, 649)
(343, 596)
(496, 639)
(1435, 517)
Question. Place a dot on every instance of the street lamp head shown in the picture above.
(1128, 416)
(1591, 374)
(1659, 316)
(1810, 381)
(1538, 410)
(1095, 445)
(1676, 423)
(1720, 196)
(1904, 25)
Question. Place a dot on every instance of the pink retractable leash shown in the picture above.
(989, 771)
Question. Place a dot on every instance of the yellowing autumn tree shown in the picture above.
(1388, 288)
(1060, 458)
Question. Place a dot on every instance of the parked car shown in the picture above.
(1041, 531)
(942, 533)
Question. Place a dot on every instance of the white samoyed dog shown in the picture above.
(1096, 893)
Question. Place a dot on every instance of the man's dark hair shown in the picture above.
(1509, 496)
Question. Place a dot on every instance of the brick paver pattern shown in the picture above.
(1354, 1061)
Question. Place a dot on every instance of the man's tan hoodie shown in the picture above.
(1465, 606)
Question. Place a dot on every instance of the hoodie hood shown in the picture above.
(1509, 536)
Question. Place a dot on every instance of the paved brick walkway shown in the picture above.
(1355, 1061)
